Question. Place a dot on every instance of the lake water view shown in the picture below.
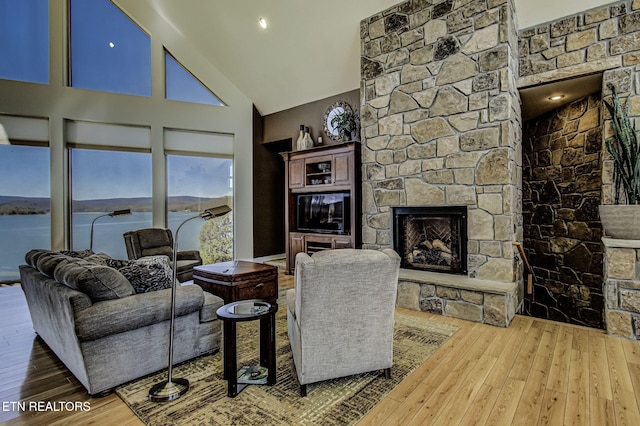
(21, 233)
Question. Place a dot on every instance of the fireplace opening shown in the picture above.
(431, 238)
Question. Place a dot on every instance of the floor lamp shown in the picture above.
(173, 388)
(113, 213)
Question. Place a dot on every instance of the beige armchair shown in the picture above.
(340, 313)
(159, 241)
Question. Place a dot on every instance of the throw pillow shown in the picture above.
(47, 263)
(145, 274)
(96, 281)
(67, 266)
(31, 258)
(98, 258)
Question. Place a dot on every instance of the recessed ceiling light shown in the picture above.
(263, 23)
(556, 97)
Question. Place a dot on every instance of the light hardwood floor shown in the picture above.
(534, 372)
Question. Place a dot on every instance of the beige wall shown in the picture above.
(286, 124)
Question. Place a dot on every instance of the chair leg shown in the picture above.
(303, 391)
(387, 373)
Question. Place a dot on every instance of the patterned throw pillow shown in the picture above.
(145, 274)
(79, 254)
(98, 258)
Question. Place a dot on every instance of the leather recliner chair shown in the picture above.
(159, 241)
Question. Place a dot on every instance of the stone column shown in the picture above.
(622, 287)
(441, 123)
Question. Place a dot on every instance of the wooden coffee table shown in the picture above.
(238, 280)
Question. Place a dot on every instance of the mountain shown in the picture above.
(27, 205)
(23, 205)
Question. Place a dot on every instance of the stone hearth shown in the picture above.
(488, 302)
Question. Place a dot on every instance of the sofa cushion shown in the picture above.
(96, 281)
(210, 307)
(130, 313)
(145, 274)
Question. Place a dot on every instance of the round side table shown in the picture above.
(248, 310)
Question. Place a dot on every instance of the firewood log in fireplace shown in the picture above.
(439, 245)
(430, 253)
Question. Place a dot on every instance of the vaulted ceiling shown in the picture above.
(311, 49)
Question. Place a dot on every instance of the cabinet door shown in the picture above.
(318, 170)
(342, 243)
(296, 174)
(316, 243)
(342, 164)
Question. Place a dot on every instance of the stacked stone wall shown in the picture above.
(622, 288)
(441, 122)
(605, 39)
(562, 185)
(441, 126)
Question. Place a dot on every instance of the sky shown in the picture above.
(28, 58)
(110, 53)
(18, 180)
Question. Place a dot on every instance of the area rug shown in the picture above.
(333, 402)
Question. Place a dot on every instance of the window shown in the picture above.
(108, 51)
(25, 219)
(104, 181)
(181, 85)
(195, 184)
(24, 40)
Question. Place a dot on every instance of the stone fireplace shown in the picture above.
(442, 127)
(431, 238)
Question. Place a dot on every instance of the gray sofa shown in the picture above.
(90, 315)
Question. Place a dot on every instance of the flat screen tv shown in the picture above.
(323, 213)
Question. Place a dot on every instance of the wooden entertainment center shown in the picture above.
(323, 193)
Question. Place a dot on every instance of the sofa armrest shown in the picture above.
(189, 255)
(129, 313)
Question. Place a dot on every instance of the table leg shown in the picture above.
(230, 358)
(268, 346)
